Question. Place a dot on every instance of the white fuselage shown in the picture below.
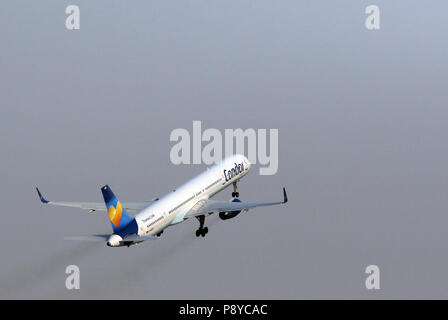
(172, 208)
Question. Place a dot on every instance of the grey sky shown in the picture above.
(362, 118)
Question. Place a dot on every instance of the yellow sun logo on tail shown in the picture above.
(115, 214)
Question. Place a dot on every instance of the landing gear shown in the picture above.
(235, 194)
(201, 231)
(160, 233)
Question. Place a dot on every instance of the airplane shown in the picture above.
(191, 199)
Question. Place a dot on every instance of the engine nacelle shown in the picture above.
(230, 214)
(114, 241)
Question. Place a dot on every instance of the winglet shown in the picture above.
(285, 197)
(42, 199)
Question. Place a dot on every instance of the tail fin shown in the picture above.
(118, 216)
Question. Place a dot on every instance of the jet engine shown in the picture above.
(114, 240)
(230, 214)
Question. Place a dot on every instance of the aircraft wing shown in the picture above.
(131, 207)
(210, 206)
(130, 239)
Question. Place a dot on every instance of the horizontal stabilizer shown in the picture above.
(135, 238)
(93, 237)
